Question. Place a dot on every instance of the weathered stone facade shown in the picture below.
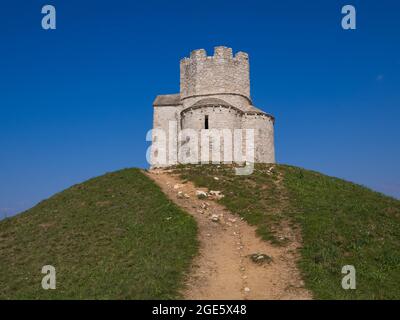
(214, 94)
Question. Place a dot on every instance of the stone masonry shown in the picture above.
(214, 94)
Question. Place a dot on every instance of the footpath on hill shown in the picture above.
(233, 262)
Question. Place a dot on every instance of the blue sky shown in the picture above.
(76, 102)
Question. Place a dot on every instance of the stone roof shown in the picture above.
(207, 102)
(167, 100)
(253, 110)
(211, 102)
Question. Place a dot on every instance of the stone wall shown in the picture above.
(264, 136)
(219, 117)
(162, 116)
(221, 73)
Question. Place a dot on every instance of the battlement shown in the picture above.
(221, 73)
(198, 54)
(220, 52)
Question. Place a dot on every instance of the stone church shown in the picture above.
(214, 94)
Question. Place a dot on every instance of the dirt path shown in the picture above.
(223, 268)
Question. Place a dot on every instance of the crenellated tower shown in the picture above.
(221, 74)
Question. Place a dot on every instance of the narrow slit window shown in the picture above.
(206, 122)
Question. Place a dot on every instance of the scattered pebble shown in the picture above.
(201, 194)
(217, 194)
(204, 205)
(180, 195)
(260, 258)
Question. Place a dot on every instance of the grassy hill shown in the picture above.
(341, 224)
(112, 237)
(119, 237)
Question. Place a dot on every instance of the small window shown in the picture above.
(206, 122)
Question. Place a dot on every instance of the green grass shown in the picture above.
(255, 197)
(341, 223)
(113, 237)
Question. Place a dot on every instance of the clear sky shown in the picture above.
(76, 102)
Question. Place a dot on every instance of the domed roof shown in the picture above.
(215, 102)
(207, 102)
